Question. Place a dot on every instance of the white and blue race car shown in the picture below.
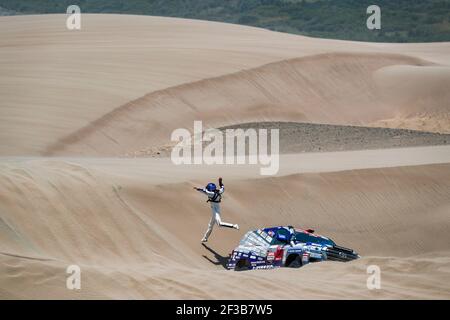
(284, 247)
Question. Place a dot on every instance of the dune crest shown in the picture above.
(336, 88)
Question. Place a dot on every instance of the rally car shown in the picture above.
(284, 247)
(266, 249)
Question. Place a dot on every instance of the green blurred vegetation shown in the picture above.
(401, 20)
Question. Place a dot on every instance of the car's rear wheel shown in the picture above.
(294, 261)
(243, 265)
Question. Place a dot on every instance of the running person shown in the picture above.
(215, 197)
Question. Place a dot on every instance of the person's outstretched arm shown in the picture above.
(221, 186)
(203, 190)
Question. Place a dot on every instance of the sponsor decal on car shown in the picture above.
(305, 257)
(279, 253)
(264, 267)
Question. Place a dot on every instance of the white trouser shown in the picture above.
(215, 218)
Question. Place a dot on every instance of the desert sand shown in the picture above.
(77, 106)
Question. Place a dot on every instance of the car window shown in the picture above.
(282, 232)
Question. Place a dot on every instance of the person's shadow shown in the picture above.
(221, 260)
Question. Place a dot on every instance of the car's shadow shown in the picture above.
(221, 260)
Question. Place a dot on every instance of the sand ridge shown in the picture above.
(328, 88)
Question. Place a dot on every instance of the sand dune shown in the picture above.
(54, 82)
(76, 104)
(419, 94)
(330, 88)
(127, 227)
